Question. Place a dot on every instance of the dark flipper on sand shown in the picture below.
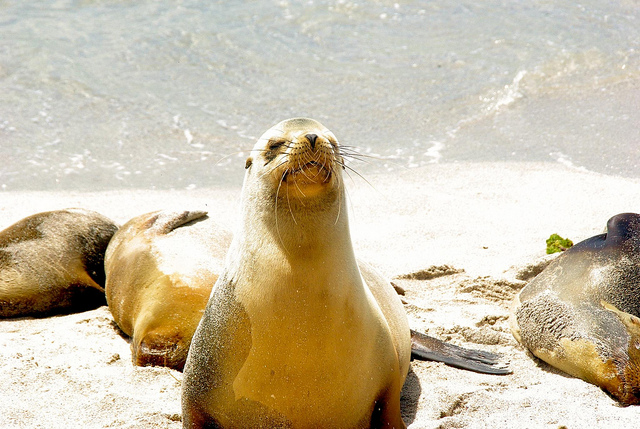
(424, 347)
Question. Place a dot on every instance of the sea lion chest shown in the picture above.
(316, 334)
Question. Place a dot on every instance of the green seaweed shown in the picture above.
(555, 243)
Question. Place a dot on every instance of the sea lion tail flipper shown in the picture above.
(165, 222)
(425, 347)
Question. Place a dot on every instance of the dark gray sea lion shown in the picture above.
(160, 268)
(297, 333)
(581, 313)
(52, 262)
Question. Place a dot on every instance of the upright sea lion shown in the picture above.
(52, 262)
(297, 333)
(581, 314)
(160, 268)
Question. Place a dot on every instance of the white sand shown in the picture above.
(75, 371)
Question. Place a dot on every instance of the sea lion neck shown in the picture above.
(279, 235)
(300, 227)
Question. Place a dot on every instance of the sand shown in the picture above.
(455, 236)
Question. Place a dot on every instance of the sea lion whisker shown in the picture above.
(359, 175)
(301, 168)
(351, 152)
(276, 211)
(278, 166)
(301, 192)
(347, 198)
(287, 144)
(328, 175)
(356, 157)
(355, 150)
(283, 162)
(350, 176)
(290, 208)
(343, 194)
(233, 154)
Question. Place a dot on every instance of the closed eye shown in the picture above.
(275, 144)
(272, 149)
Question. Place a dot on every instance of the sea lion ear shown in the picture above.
(248, 163)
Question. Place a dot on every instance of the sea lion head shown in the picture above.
(623, 233)
(298, 158)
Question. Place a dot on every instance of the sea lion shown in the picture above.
(52, 262)
(160, 269)
(581, 314)
(297, 332)
(292, 335)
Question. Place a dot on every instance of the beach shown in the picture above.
(461, 238)
(476, 130)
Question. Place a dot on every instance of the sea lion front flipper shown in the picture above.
(624, 385)
(429, 348)
(165, 222)
(386, 411)
(630, 322)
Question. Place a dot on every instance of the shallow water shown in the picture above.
(165, 94)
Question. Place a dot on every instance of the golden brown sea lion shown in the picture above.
(297, 332)
(52, 262)
(292, 335)
(160, 268)
(581, 314)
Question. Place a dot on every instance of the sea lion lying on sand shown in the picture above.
(581, 314)
(160, 269)
(52, 262)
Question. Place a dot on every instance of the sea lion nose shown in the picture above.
(312, 140)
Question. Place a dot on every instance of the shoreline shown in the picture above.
(482, 218)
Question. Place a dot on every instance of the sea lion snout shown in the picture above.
(300, 157)
(315, 151)
(312, 140)
(308, 164)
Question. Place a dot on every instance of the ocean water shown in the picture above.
(98, 94)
